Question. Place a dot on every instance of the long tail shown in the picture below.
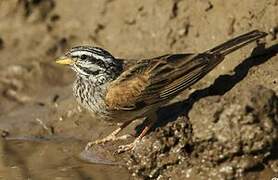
(237, 42)
(193, 68)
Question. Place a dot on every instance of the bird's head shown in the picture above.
(91, 61)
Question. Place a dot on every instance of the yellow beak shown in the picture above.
(64, 60)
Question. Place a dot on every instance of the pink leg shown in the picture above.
(152, 119)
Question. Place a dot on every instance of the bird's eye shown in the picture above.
(83, 57)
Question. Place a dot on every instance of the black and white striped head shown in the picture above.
(91, 61)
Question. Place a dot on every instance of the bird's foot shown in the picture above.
(128, 147)
(112, 137)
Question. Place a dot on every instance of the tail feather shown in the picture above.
(237, 42)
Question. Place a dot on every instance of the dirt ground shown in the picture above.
(223, 127)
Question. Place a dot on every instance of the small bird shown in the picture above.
(121, 91)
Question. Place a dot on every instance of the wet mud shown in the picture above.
(223, 127)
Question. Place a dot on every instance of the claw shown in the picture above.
(128, 147)
(100, 141)
(124, 148)
(89, 145)
(111, 137)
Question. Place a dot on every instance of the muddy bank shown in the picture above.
(224, 127)
(237, 138)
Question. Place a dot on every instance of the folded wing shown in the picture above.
(154, 80)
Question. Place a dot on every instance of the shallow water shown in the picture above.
(44, 141)
(27, 159)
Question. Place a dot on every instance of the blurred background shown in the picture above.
(45, 129)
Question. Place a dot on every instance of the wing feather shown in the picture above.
(158, 79)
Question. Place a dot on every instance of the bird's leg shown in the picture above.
(111, 137)
(150, 122)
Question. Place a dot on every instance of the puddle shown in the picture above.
(29, 159)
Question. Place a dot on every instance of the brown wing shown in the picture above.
(151, 81)
(154, 80)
